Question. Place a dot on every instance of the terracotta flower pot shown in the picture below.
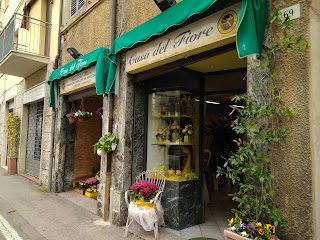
(72, 120)
(82, 119)
(229, 235)
(12, 165)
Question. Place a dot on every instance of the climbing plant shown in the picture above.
(260, 124)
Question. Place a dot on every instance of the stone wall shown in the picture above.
(122, 157)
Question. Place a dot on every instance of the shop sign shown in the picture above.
(201, 36)
(77, 82)
(11, 93)
(34, 94)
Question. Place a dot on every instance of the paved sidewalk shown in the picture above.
(38, 216)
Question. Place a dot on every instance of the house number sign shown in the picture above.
(292, 12)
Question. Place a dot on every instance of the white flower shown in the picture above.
(233, 228)
(244, 233)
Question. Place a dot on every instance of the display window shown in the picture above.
(173, 134)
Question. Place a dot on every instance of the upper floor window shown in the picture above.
(75, 6)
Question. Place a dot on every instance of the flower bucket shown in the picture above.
(186, 139)
(81, 119)
(72, 120)
(101, 152)
(229, 235)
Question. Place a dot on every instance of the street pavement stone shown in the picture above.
(39, 216)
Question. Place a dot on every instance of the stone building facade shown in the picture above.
(295, 163)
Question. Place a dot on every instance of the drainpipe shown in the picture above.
(110, 120)
(53, 116)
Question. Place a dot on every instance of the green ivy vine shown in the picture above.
(260, 125)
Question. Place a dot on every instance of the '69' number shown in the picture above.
(288, 13)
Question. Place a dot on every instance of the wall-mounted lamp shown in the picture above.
(74, 53)
(164, 4)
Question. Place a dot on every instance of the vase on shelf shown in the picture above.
(175, 136)
(186, 139)
(159, 139)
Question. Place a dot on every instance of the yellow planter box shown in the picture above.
(91, 194)
(144, 204)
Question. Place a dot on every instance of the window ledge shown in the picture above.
(84, 11)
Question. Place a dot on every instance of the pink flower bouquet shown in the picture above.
(143, 190)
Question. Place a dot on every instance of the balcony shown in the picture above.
(24, 46)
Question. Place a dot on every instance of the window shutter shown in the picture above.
(76, 5)
(81, 3)
(73, 8)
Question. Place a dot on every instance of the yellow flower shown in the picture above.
(258, 224)
(230, 222)
(261, 231)
(270, 228)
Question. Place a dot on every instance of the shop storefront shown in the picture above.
(178, 78)
(76, 90)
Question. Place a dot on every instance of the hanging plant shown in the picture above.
(106, 144)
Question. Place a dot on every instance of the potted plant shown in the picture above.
(143, 192)
(106, 144)
(82, 115)
(71, 116)
(256, 216)
(187, 131)
(160, 134)
(12, 128)
(91, 192)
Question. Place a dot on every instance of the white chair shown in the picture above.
(148, 218)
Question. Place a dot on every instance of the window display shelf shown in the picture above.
(173, 140)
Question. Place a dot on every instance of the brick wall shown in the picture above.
(87, 134)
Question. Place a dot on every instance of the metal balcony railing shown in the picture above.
(25, 34)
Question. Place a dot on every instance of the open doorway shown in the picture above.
(220, 89)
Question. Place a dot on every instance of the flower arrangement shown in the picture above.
(99, 111)
(188, 130)
(71, 115)
(143, 190)
(161, 132)
(82, 114)
(174, 126)
(107, 143)
(253, 230)
(92, 181)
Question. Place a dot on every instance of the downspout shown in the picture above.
(110, 119)
(53, 116)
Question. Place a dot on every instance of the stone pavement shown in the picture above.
(35, 215)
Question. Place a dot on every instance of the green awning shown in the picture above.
(252, 21)
(98, 58)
